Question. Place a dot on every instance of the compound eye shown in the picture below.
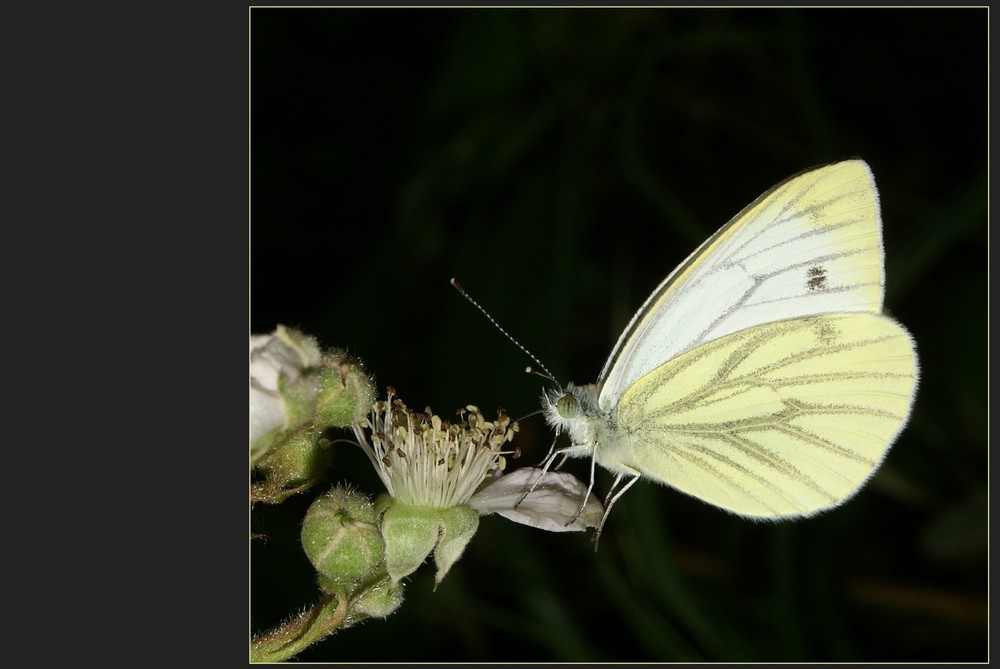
(567, 406)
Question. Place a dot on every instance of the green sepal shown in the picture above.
(459, 524)
(411, 533)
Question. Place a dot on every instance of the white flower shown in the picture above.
(279, 389)
(442, 476)
(553, 503)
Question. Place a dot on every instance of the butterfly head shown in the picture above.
(571, 410)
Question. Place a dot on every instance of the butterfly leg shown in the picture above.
(590, 488)
(568, 452)
(613, 497)
(552, 448)
(549, 457)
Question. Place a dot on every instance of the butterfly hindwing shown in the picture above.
(778, 419)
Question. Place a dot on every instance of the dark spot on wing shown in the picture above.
(817, 278)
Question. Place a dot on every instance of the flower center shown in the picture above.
(425, 461)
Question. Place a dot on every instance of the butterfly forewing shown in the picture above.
(779, 419)
(811, 245)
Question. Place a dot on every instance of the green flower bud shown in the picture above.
(297, 458)
(346, 393)
(341, 539)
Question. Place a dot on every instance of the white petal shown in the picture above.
(267, 414)
(285, 353)
(553, 504)
(271, 360)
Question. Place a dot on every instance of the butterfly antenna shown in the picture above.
(548, 375)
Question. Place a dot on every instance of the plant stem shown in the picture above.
(324, 618)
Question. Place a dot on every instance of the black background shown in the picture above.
(560, 163)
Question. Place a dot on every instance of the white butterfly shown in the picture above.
(761, 376)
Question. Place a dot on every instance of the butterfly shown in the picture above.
(761, 375)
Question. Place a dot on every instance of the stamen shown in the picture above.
(443, 463)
